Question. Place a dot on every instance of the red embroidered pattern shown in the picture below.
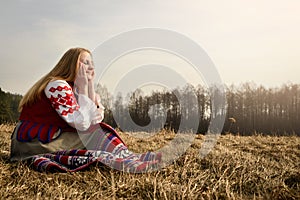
(65, 101)
(66, 112)
(59, 88)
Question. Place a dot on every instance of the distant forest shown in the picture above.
(9, 107)
(249, 108)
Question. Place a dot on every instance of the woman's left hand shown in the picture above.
(100, 109)
(90, 73)
(97, 100)
(81, 80)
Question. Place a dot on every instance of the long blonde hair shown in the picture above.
(65, 69)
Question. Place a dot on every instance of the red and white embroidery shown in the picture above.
(65, 101)
(79, 113)
(62, 98)
(64, 104)
(59, 88)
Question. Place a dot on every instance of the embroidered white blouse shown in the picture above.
(78, 110)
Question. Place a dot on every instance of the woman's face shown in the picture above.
(86, 59)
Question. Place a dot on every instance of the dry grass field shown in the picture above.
(255, 167)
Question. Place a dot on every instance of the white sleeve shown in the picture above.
(77, 113)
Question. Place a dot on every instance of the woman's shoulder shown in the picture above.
(57, 81)
(57, 85)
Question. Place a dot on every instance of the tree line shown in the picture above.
(9, 107)
(249, 109)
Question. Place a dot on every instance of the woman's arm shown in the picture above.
(96, 98)
(81, 81)
(91, 90)
(78, 113)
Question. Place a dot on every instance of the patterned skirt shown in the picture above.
(71, 152)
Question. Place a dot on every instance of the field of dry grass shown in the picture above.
(256, 167)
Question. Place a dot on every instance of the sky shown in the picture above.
(248, 41)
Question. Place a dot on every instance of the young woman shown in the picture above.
(61, 106)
